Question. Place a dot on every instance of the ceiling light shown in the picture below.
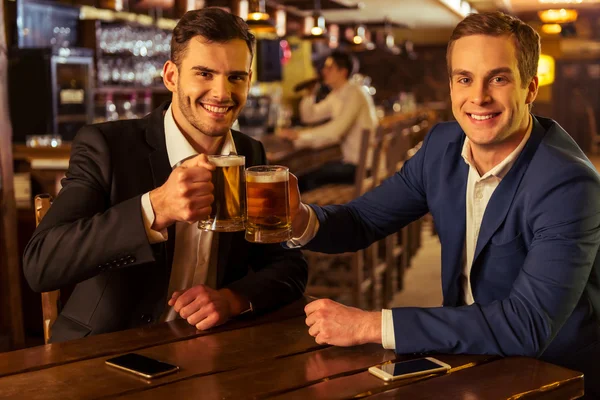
(551, 29)
(258, 19)
(280, 22)
(545, 70)
(558, 16)
(317, 29)
(390, 40)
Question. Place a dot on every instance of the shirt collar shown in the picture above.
(503, 167)
(178, 147)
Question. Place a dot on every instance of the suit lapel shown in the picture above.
(502, 198)
(155, 136)
(161, 168)
(454, 211)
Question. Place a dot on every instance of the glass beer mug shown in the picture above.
(228, 210)
(269, 219)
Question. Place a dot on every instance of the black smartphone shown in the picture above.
(408, 369)
(141, 365)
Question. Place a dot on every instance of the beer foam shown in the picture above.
(226, 161)
(267, 177)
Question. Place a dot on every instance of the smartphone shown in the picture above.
(141, 365)
(408, 369)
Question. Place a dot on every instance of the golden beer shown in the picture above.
(228, 210)
(267, 195)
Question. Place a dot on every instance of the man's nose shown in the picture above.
(221, 89)
(480, 93)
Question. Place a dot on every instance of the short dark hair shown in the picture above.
(526, 39)
(212, 23)
(345, 61)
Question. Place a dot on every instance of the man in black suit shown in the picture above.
(123, 228)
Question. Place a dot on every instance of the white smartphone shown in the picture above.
(408, 369)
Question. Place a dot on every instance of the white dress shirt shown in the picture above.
(478, 194)
(350, 109)
(195, 256)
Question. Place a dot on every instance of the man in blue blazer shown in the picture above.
(516, 204)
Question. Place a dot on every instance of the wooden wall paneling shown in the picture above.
(11, 316)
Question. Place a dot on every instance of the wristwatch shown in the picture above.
(250, 309)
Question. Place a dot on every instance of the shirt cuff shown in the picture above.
(309, 233)
(388, 340)
(148, 217)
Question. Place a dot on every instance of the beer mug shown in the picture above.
(228, 210)
(269, 219)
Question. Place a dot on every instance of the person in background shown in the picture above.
(124, 227)
(348, 109)
(516, 204)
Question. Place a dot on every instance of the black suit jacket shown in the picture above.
(93, 236)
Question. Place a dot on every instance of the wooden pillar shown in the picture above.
(11, 315)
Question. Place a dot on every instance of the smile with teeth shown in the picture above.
(215, 109)
(483, 117)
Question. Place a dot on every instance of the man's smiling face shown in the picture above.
(489, 99)
(212, 85)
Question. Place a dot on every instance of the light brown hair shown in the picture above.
(526, 39)
(213, 24)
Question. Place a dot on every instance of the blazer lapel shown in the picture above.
(161, 168)
(155, 136)
(453, 236)
(501, 200)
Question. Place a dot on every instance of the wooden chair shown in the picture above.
(337, 193)
(391, 259)
(50, 300)
(347, 277)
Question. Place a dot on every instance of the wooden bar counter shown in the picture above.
(270, 356)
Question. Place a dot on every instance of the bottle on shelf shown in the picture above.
(111, 109)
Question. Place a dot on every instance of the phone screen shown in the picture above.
(142, 365)
(409, 367)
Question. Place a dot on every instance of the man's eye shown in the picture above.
(464, 80)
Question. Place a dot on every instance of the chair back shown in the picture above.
(395, 147)
(365, 181)
(50, 300)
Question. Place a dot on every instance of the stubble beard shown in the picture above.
(185, 105)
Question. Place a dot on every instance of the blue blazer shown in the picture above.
(536, 272)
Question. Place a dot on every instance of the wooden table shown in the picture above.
(271, 356)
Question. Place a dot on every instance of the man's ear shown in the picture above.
(170, 75)
(532, 90)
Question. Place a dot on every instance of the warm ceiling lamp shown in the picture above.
(551, 29)
(318, 31)
(390, 40)
(258, 19)
(558, 16)
(361, 35)
(280, 22)
(545, 70)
